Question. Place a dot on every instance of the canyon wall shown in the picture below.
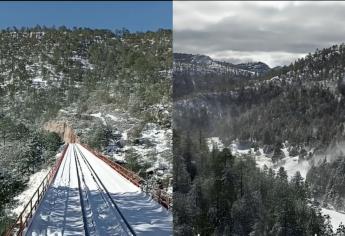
(63, 129)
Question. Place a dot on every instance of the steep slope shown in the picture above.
(197, 74)
(291, 117)
(302, 97)
(202, 64)
(259, 68)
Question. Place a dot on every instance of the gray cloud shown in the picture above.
(272, 32)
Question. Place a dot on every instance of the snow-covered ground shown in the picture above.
(150, 144)
(114, 118)
(214, 142)
(22, 198)
(158, 136)
(262, 160)
(158, 143)
(99, 115)
(61, 211)
(336, 217)
(153, 144)
(290, 163)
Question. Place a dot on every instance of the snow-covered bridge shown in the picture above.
(88, 197)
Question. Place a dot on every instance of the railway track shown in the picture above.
(86, 228)
(87, 197)
(102, 192)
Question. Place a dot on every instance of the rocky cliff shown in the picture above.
(62, 128)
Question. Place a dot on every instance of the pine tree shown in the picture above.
(277, 153)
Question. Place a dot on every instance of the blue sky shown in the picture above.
(135, 16)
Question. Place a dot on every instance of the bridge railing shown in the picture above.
(24, 217)
(161, 196)
(131, 176)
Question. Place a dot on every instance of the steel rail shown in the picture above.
(104, 198)
(87, 189)
(86, 229)
(107, 192)
(162, 197)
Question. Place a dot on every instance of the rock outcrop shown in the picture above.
(62, 128)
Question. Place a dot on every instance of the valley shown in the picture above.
(287, 119)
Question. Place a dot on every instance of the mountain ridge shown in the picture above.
(301, 105)
(210, 65)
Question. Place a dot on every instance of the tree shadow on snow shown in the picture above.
(146, 216)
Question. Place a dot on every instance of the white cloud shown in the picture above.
(272, 32)
(270, 58)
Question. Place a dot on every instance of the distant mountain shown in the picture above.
(192, 59)
(289, 119)
(258, 67)
(202, 65)
(301, 105)
(312, 80)
(196, 74)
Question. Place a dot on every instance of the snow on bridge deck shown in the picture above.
(88, 197)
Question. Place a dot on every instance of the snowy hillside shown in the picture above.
(97, 85)
(337, 218)
(291, 165)
(204, 65)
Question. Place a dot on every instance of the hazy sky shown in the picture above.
(135, 16)
(276, 33)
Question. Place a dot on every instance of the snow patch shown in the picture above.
(125, 135)
(114, 118)
(34, 182)
(262, 160)
(158, 136)
(336, 217)
(39, 82)
(292, 165)
(214, 142)
(156, 148)
(99, 115)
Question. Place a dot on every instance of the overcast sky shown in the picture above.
(276, 33)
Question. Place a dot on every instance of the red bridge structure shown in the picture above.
(85, 193)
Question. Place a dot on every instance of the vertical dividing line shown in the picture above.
(81, 196)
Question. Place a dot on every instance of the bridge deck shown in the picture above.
(88, 197)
